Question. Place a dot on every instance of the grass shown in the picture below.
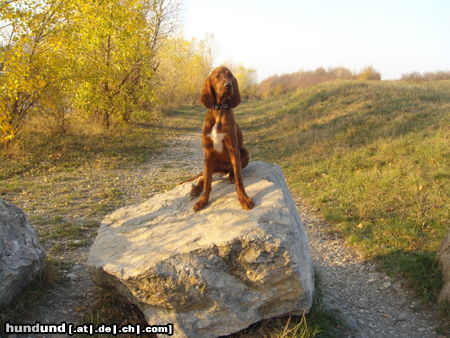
(374, 157)
(320, 322)
(44, 152)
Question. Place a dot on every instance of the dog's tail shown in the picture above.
(192, 178)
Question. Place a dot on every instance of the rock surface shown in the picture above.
(214, 272)
(444, 262)
(21, 256)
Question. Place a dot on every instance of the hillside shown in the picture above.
(373, 156)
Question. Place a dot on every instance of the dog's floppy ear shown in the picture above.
(236, 97)
(207, 96)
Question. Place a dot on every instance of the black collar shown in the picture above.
(224, 106)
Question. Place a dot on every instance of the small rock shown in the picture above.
(351, 321)
(402, 316)
(387, 285)
(71, 276)
(421, 329)
(397, 286)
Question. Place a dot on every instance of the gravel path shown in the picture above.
(370, 303)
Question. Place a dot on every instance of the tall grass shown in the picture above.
(40, 149)
(374, 157)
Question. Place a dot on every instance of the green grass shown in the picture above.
(374, 157)
(44, 152)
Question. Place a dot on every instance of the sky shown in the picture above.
(284, 36)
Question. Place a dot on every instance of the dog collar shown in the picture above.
(224, 106)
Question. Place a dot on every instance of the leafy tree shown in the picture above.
(79, 56)
(247, 80)
(183, 67)
(30, 58)
(369, 73)
(118, 45)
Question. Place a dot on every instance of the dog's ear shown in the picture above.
(236, 97)
(207, 96)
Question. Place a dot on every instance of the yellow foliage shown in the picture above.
(94, 58)
(183, 68)
(246, 78)
(369, 73)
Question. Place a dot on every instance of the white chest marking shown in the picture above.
(217, 139)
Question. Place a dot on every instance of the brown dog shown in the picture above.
(223, 147)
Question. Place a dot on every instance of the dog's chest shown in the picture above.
(217, 139)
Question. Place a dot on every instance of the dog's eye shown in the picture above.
(218, 75)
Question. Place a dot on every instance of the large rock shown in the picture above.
(21, 256)
(444, 262)
(214, 272)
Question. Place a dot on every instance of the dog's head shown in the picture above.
(220, 87)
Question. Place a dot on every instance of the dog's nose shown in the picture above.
(228, 85)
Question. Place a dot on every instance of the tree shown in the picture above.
(369, 73)
(118, 41)
(246, 78)
(29, 58)
(184, 65)
(79, 56)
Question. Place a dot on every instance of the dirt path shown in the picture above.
(372, 304)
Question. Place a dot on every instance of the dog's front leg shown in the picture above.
(207, 178)
(235, 158)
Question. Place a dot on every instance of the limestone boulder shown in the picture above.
(21, 255)
(214, 272)
(444, 262)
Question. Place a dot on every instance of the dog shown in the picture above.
(222, 141)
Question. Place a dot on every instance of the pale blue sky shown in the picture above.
(281, 36)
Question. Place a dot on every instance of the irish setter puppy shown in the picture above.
(223, 147)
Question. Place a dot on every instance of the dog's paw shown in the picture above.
(246, 203)
(201, 203)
